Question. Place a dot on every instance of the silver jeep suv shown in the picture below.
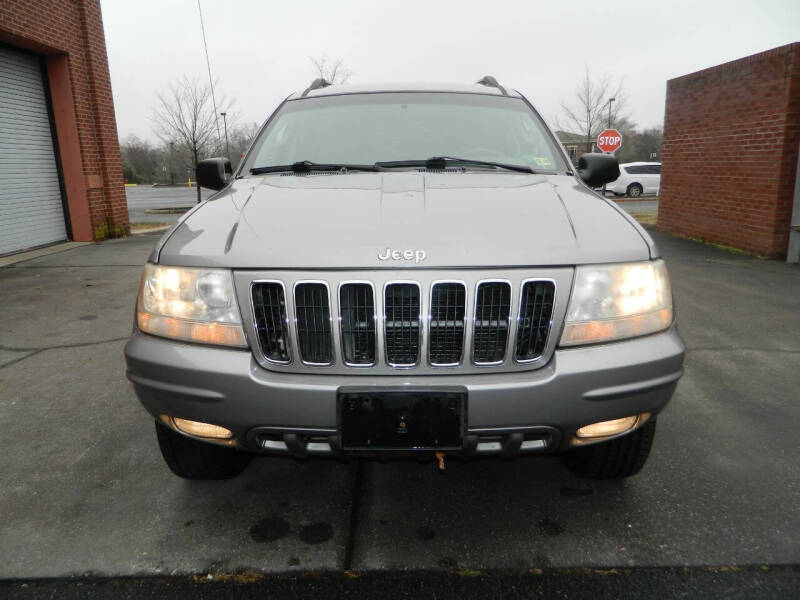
(405, 270)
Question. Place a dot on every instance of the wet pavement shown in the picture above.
(84, 492)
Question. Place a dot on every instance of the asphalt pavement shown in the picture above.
(84, 493)
(147, 204)
(640, 206)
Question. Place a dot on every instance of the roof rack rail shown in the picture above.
(317, 84)
(490, 81)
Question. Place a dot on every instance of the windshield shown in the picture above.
(382, 127)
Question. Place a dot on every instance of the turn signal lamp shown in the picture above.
(607, 428)
(200, 429)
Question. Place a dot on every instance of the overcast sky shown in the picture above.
(260, 50)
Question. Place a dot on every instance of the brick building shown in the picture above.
(575, 144)
(59, 153)
(730, 154)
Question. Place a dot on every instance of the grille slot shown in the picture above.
(269, 313)
(446, 334)
(492, 312)
(535, 314)
(313, 322)
(357, 311)
(402, 323)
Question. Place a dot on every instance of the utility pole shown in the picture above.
(227, 146)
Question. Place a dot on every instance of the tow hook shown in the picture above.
(440, 458)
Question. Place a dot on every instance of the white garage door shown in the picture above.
(31, 211)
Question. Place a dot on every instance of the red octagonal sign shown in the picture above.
(609, 140)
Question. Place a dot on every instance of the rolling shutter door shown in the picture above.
(31, 209)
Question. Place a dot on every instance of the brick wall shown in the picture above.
(731, 136)
(82, 103)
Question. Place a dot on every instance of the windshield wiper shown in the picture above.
(440, 162)
(306, 166)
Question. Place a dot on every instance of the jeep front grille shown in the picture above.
(340, 324)
(313, 323)
(492, 319)
(272, 325)
(446, 328)
(402, 323)
(534, 322)
(357, 310)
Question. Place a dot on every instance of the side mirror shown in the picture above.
(214, 173)
(598, 169)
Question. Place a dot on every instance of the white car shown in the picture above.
(637, 178)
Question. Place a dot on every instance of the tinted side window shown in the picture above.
(635, 169)
(657, 169)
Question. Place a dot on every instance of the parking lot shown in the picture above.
(151, 204)
(84, 492)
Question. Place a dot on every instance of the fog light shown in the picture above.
(606, 428)
(206, 430)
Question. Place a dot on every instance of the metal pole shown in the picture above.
(171, 163)
(610, 100)
(227, 146)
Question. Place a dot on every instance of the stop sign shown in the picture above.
(609, 140)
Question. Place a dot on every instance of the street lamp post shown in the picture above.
(227, 147)
(171, 163)
(610, 100)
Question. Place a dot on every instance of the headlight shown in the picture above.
(613, 302)
(195, 305)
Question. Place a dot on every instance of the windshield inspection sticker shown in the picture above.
(543, 162)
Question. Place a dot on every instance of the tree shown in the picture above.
(141, 160)
(332, 71)
(587, 114)
(649, 142)
(641, 145)
(241, 136)
(627, 129)
(186, 117)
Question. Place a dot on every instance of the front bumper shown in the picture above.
(531, 411)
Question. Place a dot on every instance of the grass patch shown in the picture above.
(650, 218)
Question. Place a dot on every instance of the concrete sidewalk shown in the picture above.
(83, 489)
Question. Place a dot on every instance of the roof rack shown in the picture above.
(317, 84)
(490, 81)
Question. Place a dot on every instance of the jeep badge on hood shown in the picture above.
(416, 255)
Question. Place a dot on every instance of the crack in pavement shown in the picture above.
(33, 351)
(20, 359)
(354, 510)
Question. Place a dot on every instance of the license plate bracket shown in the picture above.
(375, 419)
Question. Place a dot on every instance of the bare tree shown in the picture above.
(140, 160)
(587, 114)
(641, 145)
(185, 116)
(241, 138)
(332, 71)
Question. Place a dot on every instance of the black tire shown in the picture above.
(621, 457)
(192, 459)
(634, 190)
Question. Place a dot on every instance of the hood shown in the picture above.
(404, 220)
